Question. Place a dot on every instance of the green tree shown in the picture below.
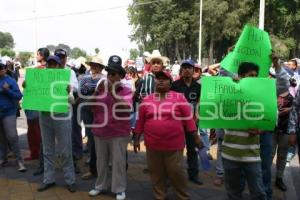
(172, 26)
(166, 25)
(6, 40)
(77, 52)
(7, 52)
(134, 53)
(97, 50)
(283, 21)
(65, 47)
(24, 57)
(51, 48)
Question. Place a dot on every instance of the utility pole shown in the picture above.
(200, 35)
(35, 27)
(262, 14)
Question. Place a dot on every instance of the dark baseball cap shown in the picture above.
(54, 58)
(60, 52)
(115, 64)
(188, 62)
(114, 61)
(2, 66)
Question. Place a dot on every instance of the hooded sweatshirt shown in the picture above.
(9, 97)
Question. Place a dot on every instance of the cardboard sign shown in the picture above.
(46, 90)
(250, 103)
(254, 46)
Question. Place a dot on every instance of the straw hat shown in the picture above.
(97, 60)
(156, 56)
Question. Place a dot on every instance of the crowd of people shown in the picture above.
(115, 104)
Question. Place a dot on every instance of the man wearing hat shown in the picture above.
(191, 90)
(62, 54)
(76, 128)
(111, 139)
(57, 127)
(147, 84)
(86, 89)
(9, 96)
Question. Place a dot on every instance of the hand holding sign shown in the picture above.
(46, 90)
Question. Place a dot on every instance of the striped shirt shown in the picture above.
(147, 85)
(87, 85)
(240, 146)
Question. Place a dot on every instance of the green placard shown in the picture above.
(46, 90)
(254, 46)
(250, 103)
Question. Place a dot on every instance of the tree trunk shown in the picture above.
(177, 53)
(211, 51)
(184, 51)
(296, 51)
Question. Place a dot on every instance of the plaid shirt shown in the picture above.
(294, 114)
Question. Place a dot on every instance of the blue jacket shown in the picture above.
(9, 98)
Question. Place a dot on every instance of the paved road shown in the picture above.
(22, 186)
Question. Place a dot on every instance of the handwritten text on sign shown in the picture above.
(46, 90)
(226, 104)
(253, 46)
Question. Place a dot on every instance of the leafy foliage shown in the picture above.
(172, 26)
(8, 52)
(77, 52)
(24, 57)
(6, 40)
(134, 53)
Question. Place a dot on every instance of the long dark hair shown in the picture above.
(44, 52)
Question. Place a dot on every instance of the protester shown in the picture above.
(10, 95)
(164, 134)
(146, 59)
(280, 138)
(241, 154)
(111, 138)
(135, 79)
(33, 131)
(191, 90)
(11, 71)
(197, 73)
(293, 71)
(62, 54)
(76, 127)
(175, 70)
(81, 71)
(147, 84)
(293, 127)
(219, 179)
(87, 87)
(57, 127)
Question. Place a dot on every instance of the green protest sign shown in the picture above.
(250, 103)
(254, 46)
(46, 90)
